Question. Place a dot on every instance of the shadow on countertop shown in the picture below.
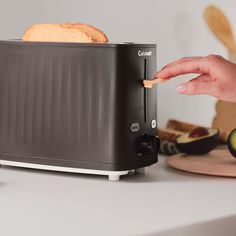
(157, 173)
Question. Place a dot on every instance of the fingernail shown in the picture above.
(181, 88)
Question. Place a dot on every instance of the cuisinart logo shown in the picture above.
(144, 53)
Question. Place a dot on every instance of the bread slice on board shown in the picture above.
(168, 134)
(64, 33)
(188, 127)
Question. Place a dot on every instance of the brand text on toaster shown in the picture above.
(144, 53)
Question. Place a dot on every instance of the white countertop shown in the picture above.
(162, 202)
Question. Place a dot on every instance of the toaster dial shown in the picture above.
(148, 144)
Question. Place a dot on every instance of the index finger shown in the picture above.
(184, 59)
(182, 68)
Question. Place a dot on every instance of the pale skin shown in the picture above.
(216, 76)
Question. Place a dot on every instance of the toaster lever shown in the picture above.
(151, 83)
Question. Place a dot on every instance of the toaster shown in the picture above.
(78, 107)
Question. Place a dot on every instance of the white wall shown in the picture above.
(176, 26)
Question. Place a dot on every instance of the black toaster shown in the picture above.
(78, 107)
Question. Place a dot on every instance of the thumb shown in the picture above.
(201, 85)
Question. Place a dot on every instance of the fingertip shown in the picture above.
(182, 88)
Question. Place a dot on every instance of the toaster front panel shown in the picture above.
(57, 104)
(77, 105)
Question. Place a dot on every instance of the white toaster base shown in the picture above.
(112, 175)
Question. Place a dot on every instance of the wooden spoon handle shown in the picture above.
(151, 83)
(220, 26)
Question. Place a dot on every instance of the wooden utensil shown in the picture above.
(220, 26)
(218, 163)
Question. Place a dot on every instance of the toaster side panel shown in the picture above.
(136, 108)
(57, 105)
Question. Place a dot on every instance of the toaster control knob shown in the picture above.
(149, 144)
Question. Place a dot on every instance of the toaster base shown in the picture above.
(112, 175)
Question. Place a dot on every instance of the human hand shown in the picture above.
(217, 76)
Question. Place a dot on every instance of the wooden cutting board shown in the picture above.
(218, 163)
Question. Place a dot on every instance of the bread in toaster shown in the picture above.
(55, 33)
(96, 34)
(64, 33)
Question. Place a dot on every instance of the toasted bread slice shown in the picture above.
(56, 33)
(96, 34)
(168, 134)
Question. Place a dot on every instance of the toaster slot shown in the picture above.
(145, 93)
